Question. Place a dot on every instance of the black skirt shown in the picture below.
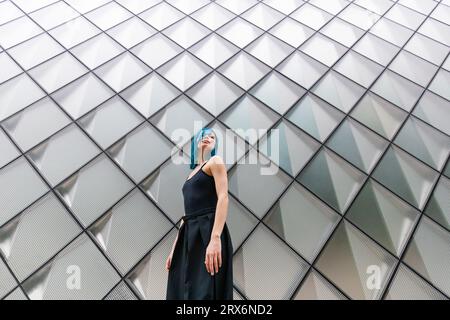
(188, 278)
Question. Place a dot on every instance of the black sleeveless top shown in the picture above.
(199, 193)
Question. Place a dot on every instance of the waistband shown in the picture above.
(200, 212)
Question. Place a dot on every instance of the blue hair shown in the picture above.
(194, 143)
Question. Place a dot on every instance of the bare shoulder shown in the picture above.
(216, 159)
(215, 165)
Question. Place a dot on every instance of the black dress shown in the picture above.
(188, 278)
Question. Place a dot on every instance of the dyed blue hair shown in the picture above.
(196, 140)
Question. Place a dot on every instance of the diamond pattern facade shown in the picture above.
(92, 94)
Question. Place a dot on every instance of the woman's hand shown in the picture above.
(213, 259)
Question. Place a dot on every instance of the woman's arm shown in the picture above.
(213, 257)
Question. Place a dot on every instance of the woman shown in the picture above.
(200, 262)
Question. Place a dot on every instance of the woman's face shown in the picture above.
(207, 142)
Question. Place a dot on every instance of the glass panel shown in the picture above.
(9, 67)
(136, 152)
(35, 51)
(149, 278)
(131, 32)
(32, 238)
(269, 50)
(288, 147)
(99, 277)
(161, 16)
(122, 71)
(36, 123)
(407, 285)
(18, 175)
(376, 49)
(63, 153)
(94, 189)
(323, 49)
(315, 116)
(311, 16)
(278, 92)
(121, 292)
(179, 119)
(424, 142)
(339, 91)
(214, 50)
(332, 180)
(213, 16)
(150, 94)
(184, 71)
(286, 6)
(97, 50)
(130, 229)
(240, 32)
(383, 216)
(292, 32)
(186, 32)
(428, 254)
(315, 287)
(74, 32)
(57, 72)
(156, 50)
(413, 68)
(85, 6)
(110, 121)
(302, 69)
(359, 16)
(254, 261)
(188, 6)
(302, 220)
(108, 15)
(379, 115)
(358, 68)
(438, 206)
(405, 16)
(434, 110)
(9, 12)
(244, 70)
(240, 223)
(6, 279)
(350, 258)
(392, 32)
(137, 6)
(257, 182)
(7, 150)
(406, 176)
(54, 15)
(262, 16)
(17, 31)
(17, 294)
(436, 30)
(215, 93)
(427, 48)
(12, 98)
(249, 118)
(398, 90)
(358, 145)
(161, 184)
(82, 95)
(237, 6)
(441, 84)
(342, 31)
(424, 7)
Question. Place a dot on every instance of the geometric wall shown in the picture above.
(91, 93)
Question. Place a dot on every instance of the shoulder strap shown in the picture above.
(204, 164)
